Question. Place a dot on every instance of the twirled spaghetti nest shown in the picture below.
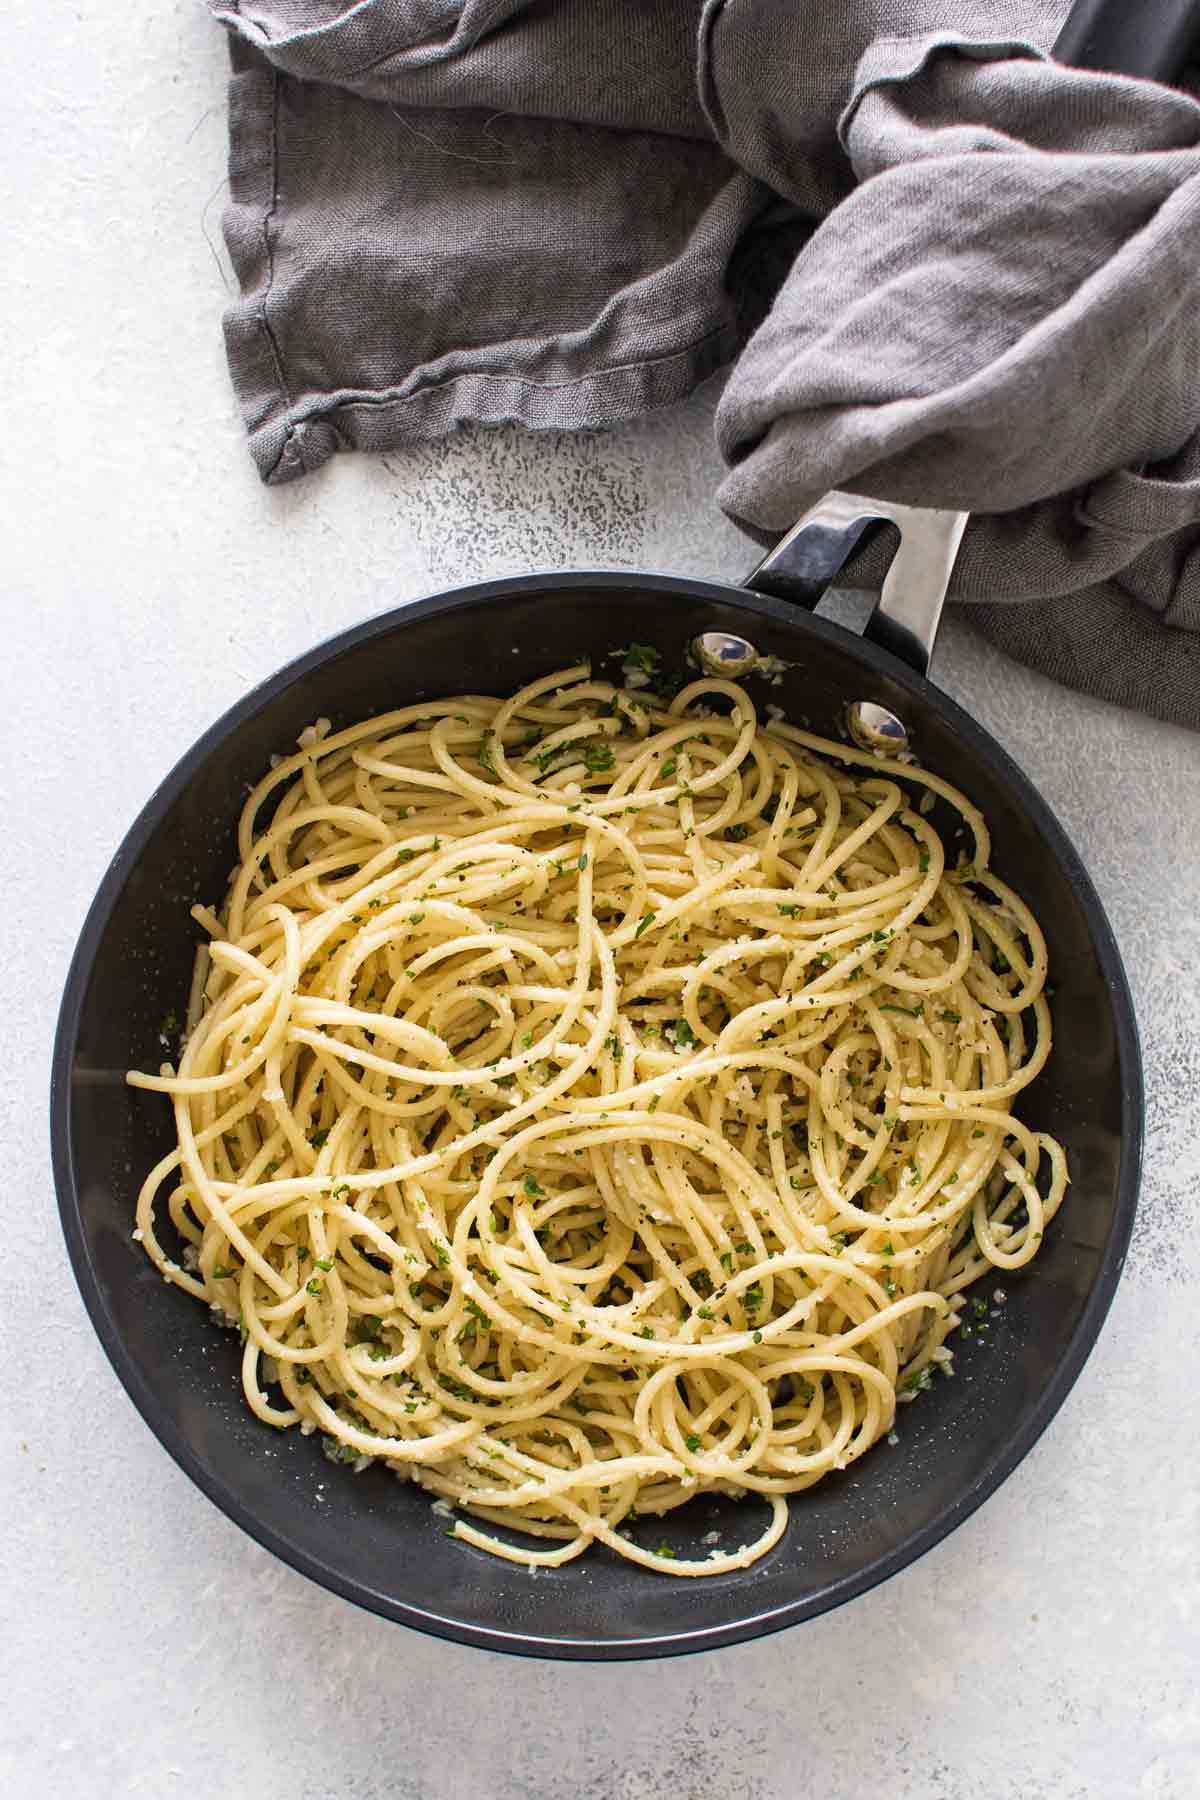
(594, 1098)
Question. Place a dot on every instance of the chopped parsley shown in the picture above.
(598, 758)
(545, 757)
(640, 659)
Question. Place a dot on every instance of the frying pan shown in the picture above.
(375, 1540)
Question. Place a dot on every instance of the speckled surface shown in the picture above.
(1047, 1651)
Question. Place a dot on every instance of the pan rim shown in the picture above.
(140, 1389)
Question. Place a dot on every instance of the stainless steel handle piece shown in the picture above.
(806, 562)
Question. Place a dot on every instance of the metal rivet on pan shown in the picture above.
(721, 653)
(874, 728)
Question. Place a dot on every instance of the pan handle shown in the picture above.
(905, 619)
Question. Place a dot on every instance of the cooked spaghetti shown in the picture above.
(598, 1097)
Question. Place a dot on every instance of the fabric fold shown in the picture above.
(947, 271)
(499, 212)
(1001, 317)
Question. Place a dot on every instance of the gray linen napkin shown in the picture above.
(961, 275)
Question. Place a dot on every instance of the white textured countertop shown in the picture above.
(1047, 1651)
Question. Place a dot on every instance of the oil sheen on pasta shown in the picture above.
(595, 1098)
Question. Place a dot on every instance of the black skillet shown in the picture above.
(366, 1536)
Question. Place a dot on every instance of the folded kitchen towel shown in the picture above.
(946, 270)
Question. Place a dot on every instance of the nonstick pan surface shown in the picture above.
(375, 1540)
